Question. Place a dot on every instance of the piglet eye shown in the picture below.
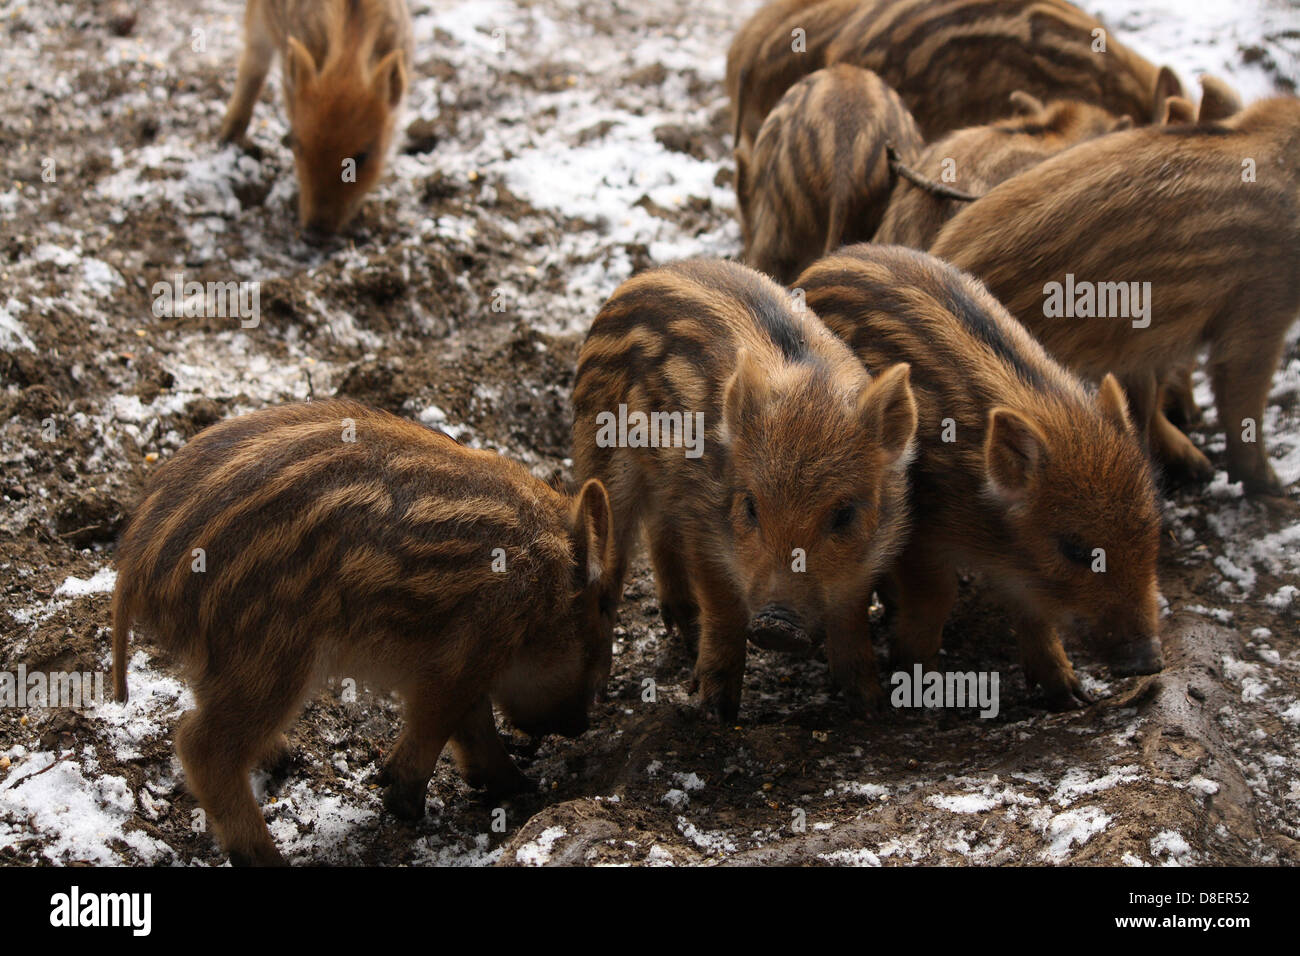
(1074, 551)
(751, 509)
(843, 517)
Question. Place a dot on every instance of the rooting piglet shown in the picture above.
(1020, 474)
(975, 159)
(345, 66)
(768, 469)
(819, 175)
(783, 41)
(953, 62)
(332, 539)
(1129, 253)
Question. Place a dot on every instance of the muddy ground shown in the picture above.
(551, 149)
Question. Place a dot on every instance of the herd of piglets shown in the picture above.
(884, 399)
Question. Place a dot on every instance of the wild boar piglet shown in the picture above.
(819, 175)
(330, 539)
(1130, 253)
(345, 70)
(766, 467)
(1021, 474)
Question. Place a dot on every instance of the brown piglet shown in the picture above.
(975, 159)
(345, 66)
(766, 467)
(332, 539)
(784, 41)
(1020, 474)
(953, 62)
(1130, 253)
(819, 175)
(1218, 102)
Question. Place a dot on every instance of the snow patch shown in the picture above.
(538, 852)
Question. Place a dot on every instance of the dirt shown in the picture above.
(1196, 765)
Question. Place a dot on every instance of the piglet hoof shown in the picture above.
(405, 800)
(259, 856)
(717, 706)
(1271, 495)
(503, 785)
(863, 704)
(723, 712)
(522, 785)
(1073, 697)
(1282, 510)
(1202, 472)
(1188, 473)
(1254, 485)
(232, 131)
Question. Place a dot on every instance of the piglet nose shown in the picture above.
(778, 628)
(779, 613)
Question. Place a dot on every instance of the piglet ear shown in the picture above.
(389, 77)
(887, 410)
(591, 533)
(299, 64)
(1167, 85)
(1218, 100)
(1025, 104)
(1113, 404)
(745, 393)
(1177, 110)
(1015, 452)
